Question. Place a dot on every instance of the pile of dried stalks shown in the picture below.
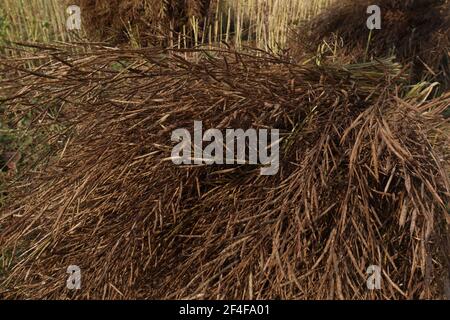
(144, 21)
(416, 31)
(362, 180)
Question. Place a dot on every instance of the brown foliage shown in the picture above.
(149, 20)
(362, 180)
(417, 32)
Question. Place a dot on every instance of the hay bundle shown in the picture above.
(148, 21)
(362, 181)
(416, 31)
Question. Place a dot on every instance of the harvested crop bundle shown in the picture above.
(417, 32)
(146, 21)
(362, 180)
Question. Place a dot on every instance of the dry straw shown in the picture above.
(140, 21)
(362, 182)
(417, 32)
(262, 23)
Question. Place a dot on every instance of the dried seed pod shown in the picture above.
(363, 180)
